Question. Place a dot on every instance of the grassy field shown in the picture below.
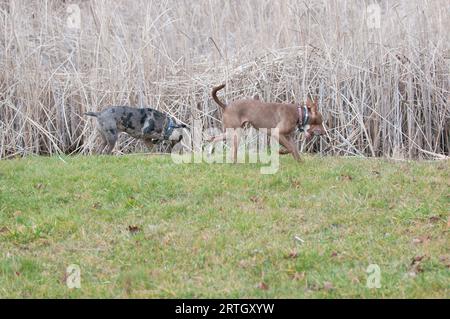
(141, 226)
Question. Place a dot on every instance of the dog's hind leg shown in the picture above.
(110, 134)
(111, 141)
(103, 143)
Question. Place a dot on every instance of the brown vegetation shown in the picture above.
(383, 91)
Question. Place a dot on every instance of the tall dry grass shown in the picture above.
(383, 91)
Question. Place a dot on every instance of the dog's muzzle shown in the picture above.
(170, 127)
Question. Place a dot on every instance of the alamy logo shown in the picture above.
(73, 16)
(373, 18)
(254, 147)
(374, 276)
(73, 276)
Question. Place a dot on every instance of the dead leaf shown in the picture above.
(263, 286)
(97, 205)
(421, 240)
(445, 260)
(17, 273)
(334, 254)
(416, 266)
(17, 213)
(346, 177)
(4, 229)
(39, 186)
(313, 287)
(293, 254)
(134, 229)
(417, 259)
(434, 219)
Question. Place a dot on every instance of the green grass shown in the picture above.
(222, 230)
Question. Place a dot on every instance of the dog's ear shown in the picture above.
(312, 105)
(309, 103)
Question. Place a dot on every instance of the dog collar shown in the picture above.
(304, 115)
(169, 129)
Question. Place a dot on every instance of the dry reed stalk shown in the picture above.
(383, 91)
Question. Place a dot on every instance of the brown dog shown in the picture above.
(285, 117)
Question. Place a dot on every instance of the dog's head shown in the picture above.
(178, 131)
(176, 135)
(315, 123)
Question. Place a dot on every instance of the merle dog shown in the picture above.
(149, 125)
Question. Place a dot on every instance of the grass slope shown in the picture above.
(223, 230)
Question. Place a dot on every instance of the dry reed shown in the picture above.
(383, 91)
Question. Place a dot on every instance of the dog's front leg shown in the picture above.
(288, 144)
(294, 148)
(107, 146)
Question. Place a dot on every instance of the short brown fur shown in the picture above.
(259, 114)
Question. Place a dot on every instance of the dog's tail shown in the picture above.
(94, 114)
(214, 95)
